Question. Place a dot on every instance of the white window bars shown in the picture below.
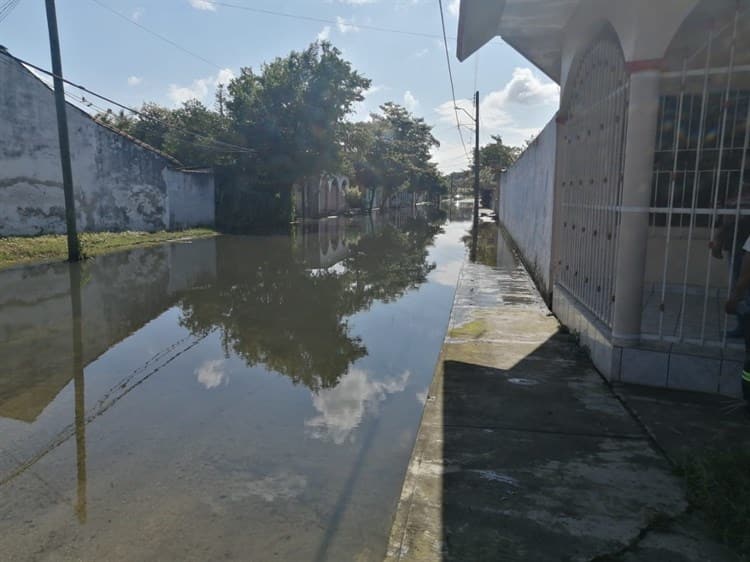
(701, 190)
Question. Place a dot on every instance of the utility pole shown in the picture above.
(475, 231)
(74, 253)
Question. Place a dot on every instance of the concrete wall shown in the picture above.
(525, 204)
(120, 184)
(190, 198)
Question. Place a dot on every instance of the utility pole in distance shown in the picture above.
(74, 253)
(475, 233)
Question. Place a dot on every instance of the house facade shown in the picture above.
(649, 164)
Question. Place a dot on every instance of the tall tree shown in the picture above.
(394, 153)
(291, 113)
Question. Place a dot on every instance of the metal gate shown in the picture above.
(591, 142)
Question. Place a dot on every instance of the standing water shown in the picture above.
(248, 398)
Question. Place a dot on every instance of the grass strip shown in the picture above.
(718, 483)
(17, 250)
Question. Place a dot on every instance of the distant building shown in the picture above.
(615, 203)
(327, 198)
(120, 183)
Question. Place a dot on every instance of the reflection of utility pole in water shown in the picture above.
(78, 386)
(450, 201)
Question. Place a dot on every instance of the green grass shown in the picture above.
(718, 483)
(16, 250)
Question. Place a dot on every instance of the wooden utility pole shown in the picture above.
(475, 231)
(74, 253)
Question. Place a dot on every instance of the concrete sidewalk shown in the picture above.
(524, 453)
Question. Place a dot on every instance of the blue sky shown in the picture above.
(111, 55)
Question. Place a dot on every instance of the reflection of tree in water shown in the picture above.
(273, 311)
(385, 265)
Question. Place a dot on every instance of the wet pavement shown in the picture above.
(523, 452)
(247, 398)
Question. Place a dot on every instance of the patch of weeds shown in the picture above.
(718, 483)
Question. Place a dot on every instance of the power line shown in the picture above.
(225, 145)
(324, 20)
(275, 13)
(7, 8)
(450, 76)
(157, 35)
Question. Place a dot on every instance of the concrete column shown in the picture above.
(640, 143)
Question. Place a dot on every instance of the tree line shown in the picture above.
(285, 124)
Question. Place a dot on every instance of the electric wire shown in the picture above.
(275, 13)
(7, 7)
(156, 34)
(450, 76)
(324, 20)
(215, 142)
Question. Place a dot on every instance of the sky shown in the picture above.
(110, 54)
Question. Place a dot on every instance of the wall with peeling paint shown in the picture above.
(120, 184)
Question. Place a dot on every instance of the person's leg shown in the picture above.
(735, 265)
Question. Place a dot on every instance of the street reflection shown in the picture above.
(172, 396)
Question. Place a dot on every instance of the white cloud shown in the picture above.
(422, 396)
(346, 26)
(343, 407)
(357, 2)
(527, 89)
(421, 53)
(200, 89)
(523, 89)
(203, 5)
(454, 6)
(212, 374)
(134, 80)
(137, 14)
(325, 33)
(410, 102)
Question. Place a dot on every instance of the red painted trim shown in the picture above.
(636, 66)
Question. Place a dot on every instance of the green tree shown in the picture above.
(193, 135)
(393, 153)
(291, 113)
(497, 156)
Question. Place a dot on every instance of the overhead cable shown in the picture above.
(450, 76)
(226, 145)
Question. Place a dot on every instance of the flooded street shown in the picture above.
(238, 397)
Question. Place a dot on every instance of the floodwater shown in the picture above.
(249, 398)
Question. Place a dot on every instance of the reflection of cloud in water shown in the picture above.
(212, 374)
(343, 407)
(447, 273)
(422, 396)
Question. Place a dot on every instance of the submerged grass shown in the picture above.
(16, 250)
(718, 483)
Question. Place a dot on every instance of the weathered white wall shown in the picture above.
(525, 203)
(120, 184)
(190, 198)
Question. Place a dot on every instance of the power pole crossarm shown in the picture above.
(62, 129)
